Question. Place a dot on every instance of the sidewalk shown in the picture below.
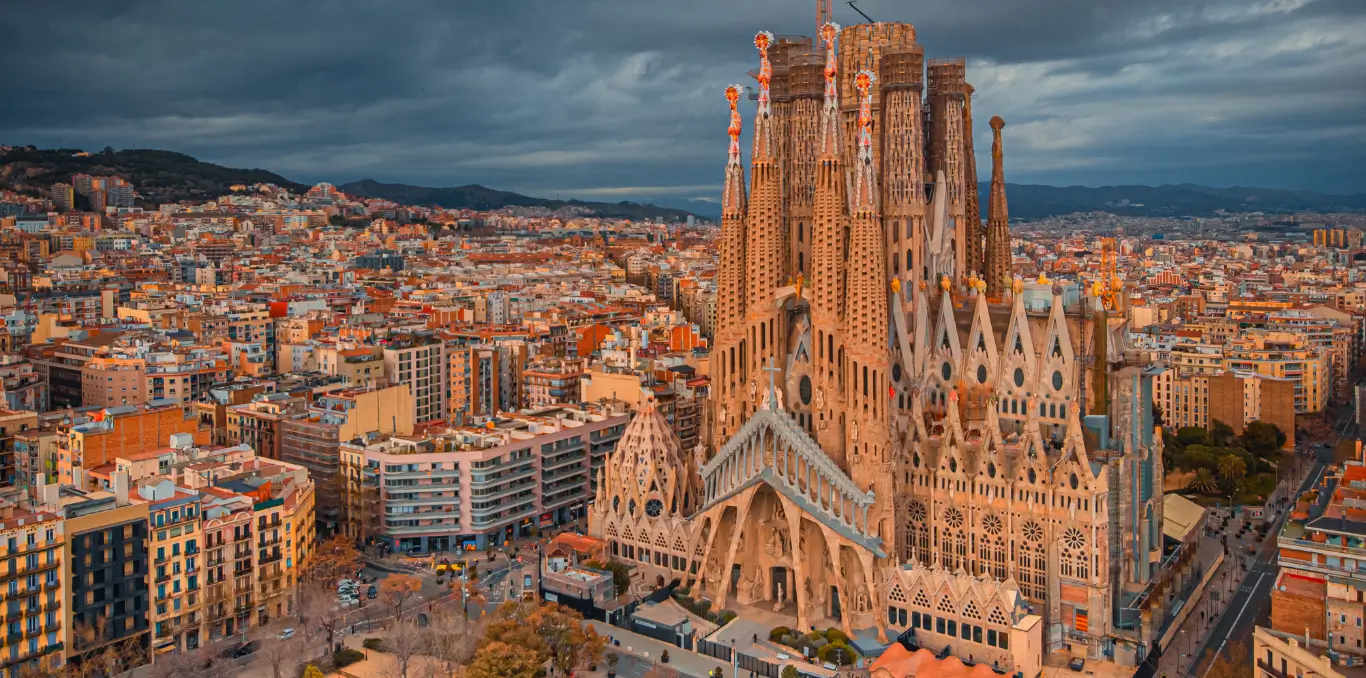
(686, 662)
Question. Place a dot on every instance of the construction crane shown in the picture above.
(822, 14)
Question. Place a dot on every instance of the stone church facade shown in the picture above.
(902, 441)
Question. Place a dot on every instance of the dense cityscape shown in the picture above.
(859, 422)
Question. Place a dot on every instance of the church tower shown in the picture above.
(866, 361)
(946, 141)
(729, 358)
(827, 258)
(998, 223)
(764, 328)
(972, 211)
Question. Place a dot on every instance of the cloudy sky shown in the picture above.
(617, 99)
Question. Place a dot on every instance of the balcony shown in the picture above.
(497, 520)
(498, 479)
(1273, 672)
(503, 492)
(441, 527)
(419, 475)
(575, 460)
(425, 501)
(566, 496)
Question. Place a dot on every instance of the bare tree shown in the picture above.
(403, 644)
(399, 589)
(196, 663)
(93, 658)
(335, 558)
(452, 639)
(282, 655)
(317, 606)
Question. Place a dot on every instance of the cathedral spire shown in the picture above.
(972, 210)
(763, 118)
(864, 200)
(765, 247)
(730, 283)
(830, 111)
(733, 198)
(998, 224)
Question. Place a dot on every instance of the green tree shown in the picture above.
(1192, 435)
(790, 671)
(501, 660)
(1261, 438)
(621, 573)
(1195, 457)
(312, 672)
(1232, 468)
(1203, 482)
(1220, 433)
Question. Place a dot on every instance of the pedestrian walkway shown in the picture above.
(686, 662)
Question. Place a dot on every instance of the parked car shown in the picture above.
(286, 634)
(372, 592)
(247, 649)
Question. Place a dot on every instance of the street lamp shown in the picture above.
(1179, 655)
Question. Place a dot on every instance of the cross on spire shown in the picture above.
(772, 384)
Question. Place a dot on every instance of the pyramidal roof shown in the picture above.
(649, 462)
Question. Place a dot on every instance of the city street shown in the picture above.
(1251, 566)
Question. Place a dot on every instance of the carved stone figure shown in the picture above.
(756, 585)
(776, 546)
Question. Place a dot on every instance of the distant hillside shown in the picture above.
(476, 197)
(158, 176)
(1027, 201)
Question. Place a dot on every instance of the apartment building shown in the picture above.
(106, 599)
(35, 454)
(1285, 355)
(31, 575)
(1321, 586)
(1284, 655)
(418, 359)
(259, 422)
(551, 381)
(356, 366)
(229, 562)
(468, 488)
(111, 382)
(116, 431)
(184, 375)
(12, 423)
(482, 382)
(174, 515)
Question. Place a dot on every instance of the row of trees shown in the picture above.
(524, 636)
(1221, 459)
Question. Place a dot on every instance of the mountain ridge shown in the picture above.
(477, 197)
(169, 176)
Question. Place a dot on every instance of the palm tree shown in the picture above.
(1203, 482)
(1232, 468)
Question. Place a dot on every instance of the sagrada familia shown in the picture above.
(904, 436)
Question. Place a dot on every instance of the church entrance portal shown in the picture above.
(835, 603)
(778, 588)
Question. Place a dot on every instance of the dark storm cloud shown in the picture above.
(614, 99)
